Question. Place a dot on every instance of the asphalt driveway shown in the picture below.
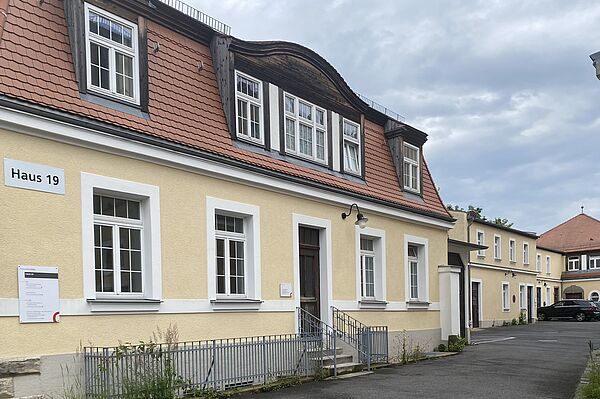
(544, 360)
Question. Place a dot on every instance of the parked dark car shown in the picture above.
(578, 309)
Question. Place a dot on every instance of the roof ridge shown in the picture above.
(563, 223)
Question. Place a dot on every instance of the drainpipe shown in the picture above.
(470, 219)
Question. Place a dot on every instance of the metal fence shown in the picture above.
(198, 15)
(189, 367)
(384, 110)
(371, 342)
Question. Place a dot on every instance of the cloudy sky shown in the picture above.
(505, 89)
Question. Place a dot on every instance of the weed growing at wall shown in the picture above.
(592, 389)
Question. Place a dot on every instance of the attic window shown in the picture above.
(351, 136)
(305, 127)
(411, 167)
(111, 55)
(248, 108)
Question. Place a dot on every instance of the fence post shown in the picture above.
(334, 353)
(369, 348)
(214, 371)
(264, 356)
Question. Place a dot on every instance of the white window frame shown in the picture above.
(112, 47)
(354, 141)
(411, 162)
(505, 296)
(497, 247)
(379, 249)
(149, 197)
(512, 250)
(548, 295)
(548, 264)
(228, 236)
(252, 264)
(423, 269)
(522, 296)
(480, 252)
(295, 116)
(526, 253)
(250, 100)
(538, 262)
(573, 263)
(595, 260)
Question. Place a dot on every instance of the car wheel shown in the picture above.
(541, 317)
(580, 317)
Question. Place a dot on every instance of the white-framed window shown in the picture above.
(573, 263)
(416, 264)
(594, 296)
(548, 265)
(549, 300)
(497, 247)
(411, 168)
(352, 150)
(594, 262)
(522, 297)
(512, 250)
(480, 241)
(112, 59)
(505, 296)
(538, 262)
(121, 239)
(305, 129)
(233, 252)
(371, 266)
(248, 108)
(525, 253)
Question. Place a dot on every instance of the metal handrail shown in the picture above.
(361, 337)
(310, 325)
(383, 109)
(198, 15)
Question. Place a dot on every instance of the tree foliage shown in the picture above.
(478, 211)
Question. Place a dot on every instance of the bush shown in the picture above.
(457, 345)
(441, 348)
(522, 318)
(514, 322)
(592, 389)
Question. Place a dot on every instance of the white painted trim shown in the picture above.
(253, 270)
(505, 309)
(325, 262)
(417, 163)
(424, 268)
(479, 297)
(50, 129)
(250, 100)
(380, 261)
(526, 254)
(9, 307)
(480, 252)
(551, 279)
(523, 303)
(538, 266)
(274, 116)
(356, 141)
(513, 258)
(150, 213)
(499, 257)
(566, 281)
(503, 268)
(335, 140)
(548, 264)
(393, 306)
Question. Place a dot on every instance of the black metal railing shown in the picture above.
(198, 15)
(313, 327)
(370, 342)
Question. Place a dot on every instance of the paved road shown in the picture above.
(544, 360)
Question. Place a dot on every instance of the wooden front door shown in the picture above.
(310, 299)
(475, 304)
(529, 304)
(538, 296)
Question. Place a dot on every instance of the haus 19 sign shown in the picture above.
(33, 176)
(38, 294)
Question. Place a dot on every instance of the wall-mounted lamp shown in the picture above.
(545, 284)
(361, 221)
(510, 273)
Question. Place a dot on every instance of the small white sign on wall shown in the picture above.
(285, 290)
(33, 176)
(38, 294)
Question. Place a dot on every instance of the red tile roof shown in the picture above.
(184, 106)
(579, 233)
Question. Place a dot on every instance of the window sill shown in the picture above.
(123, 305)
(228, 304)
(372, 304)
(416, 304)
(480, 256)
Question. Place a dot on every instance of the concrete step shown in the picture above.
(316, 353)
(351, 375)
(340, 359)
(344, 368)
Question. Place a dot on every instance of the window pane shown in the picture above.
(125, 264)
(414, 181)
(95, 54)
(136, 282)
(120, 208)
(133, 210)
(107, 259)
(93, 23)
(104, 26)
(104, 59)
(248, 87)
(350, 129)
(98, 281)
(239, 225)
(125, 283)
(220, 284)
(108, 282)
(290, 134)
(95, 76)
(242, 117)
(411, 153)
(136, 242)
(104, 79)
(96, 235)
(320, 117)
(229, 223)
(320, 144)
(97, 258)
(136, 260)
(351, 156)
(106, 236)
(305, 140)
(117, 32)
(366, 244)
(289, 104)
(254, 121)
(220, 222)
(124, 238)
(305, 110)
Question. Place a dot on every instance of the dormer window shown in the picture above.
(248, 108)
(305, 127)
(111, 55)
(412, 173)
(351, 134)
